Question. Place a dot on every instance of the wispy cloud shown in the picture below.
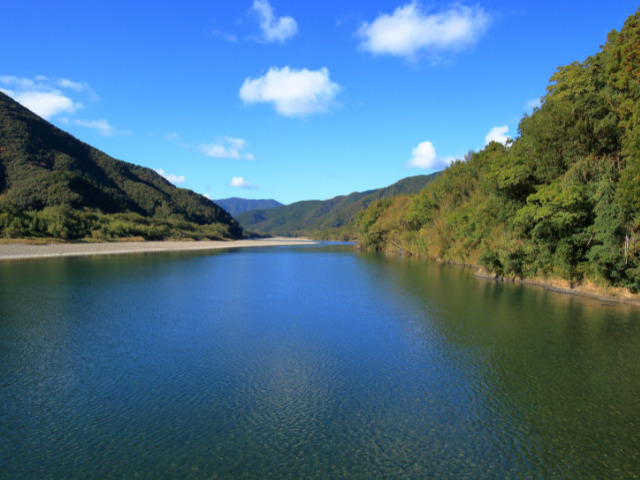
(412, 28)
(239, 182)
(103, 127)
(531, 104)
(227, 37)
(497, 134)
(273, 29)
(424, 156)
(294, 93)
(227, 147)
(42, 83)
(175, 179)
(81, 87)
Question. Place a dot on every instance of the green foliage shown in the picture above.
(333, 219)
(490, 259)
(382, 225)
(622, 68)
(561, 201)
(370, 236)
(51, 184)
(606, 256)
(66, 223)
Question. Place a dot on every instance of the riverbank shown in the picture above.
(588, 290)
(23, 251)
(611, 295)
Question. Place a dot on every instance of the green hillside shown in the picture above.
(329, 219)
(236, 206)
(53, 185)
(561, 202)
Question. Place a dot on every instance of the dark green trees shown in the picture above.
(53, 185)
(563, 199)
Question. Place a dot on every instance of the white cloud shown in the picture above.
(206, 195)
(51, 97)
(294, 93)
(424, 156)
(103, 127)
(45, 96)
(46, 104)
(411, 28)
(240, 182)
(175, 179)
(497, 134)
(227, 147)
(274, 29)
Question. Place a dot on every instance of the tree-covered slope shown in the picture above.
(236, 206)
(562, 201)
(47, 174)
(333, 218)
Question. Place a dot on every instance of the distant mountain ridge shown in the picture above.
(236, 206)
(43, 168)
(331, 219)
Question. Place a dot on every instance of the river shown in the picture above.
(308, 362)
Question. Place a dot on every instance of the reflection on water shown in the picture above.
(313, 362)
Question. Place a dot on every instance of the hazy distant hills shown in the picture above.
(236, 206)
(333, 218)
(43, 167)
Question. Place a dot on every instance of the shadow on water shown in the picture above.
(553, 377)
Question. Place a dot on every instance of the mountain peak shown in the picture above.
(236, 205)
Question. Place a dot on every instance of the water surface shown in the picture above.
(308, 362)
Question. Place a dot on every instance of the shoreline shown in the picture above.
(620, 297)
(23, 251)
(611, 295)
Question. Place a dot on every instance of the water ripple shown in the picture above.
(339, 366)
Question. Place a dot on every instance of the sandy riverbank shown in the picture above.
(21, 251)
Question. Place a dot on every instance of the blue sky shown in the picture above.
(286, 99)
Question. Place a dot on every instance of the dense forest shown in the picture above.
(333, 219)
(54, 185)
(561, 201)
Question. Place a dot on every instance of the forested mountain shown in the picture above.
(236, 206)
(328, 219)
(562, 201)
(52, 184)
